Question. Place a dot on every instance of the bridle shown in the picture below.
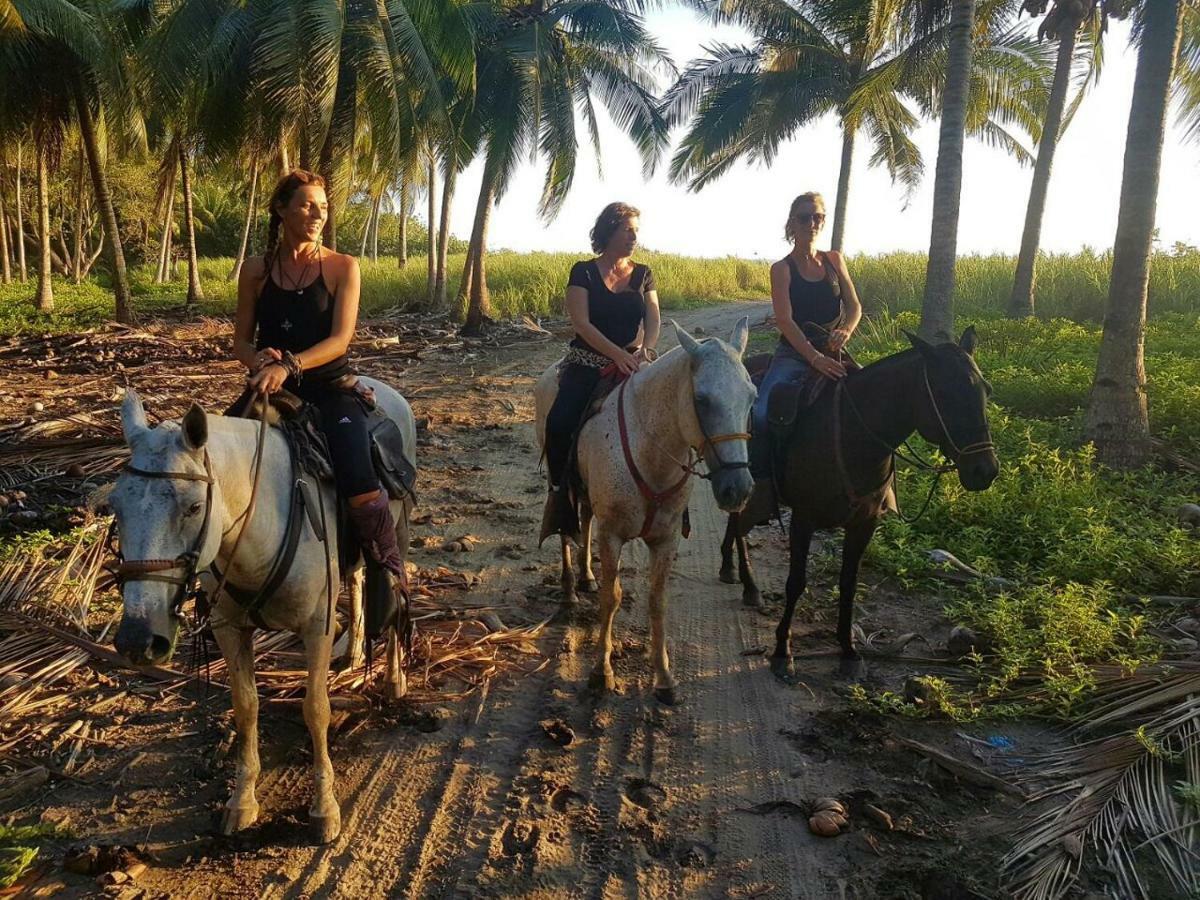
(912, 457)
(656, 499)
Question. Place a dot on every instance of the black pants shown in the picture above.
(344, 423)
(575, 386)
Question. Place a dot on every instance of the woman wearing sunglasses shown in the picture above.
(816, 309)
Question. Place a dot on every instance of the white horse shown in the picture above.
(179, 508)
(635, 462)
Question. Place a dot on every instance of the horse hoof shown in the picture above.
(783, 668)
(569, 598)
(325, 829)
(752, 599)
(852, 667)
(235, 818)
(589, 585)
(601, 683)
(665, 696)
(727, 575)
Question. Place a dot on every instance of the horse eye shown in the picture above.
(195, 508)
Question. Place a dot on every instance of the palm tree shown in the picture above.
(1187, 75)
(1117, 420)
(538, 63)
(1064, 23)
(195, 290)
(247, 227)
(860, 59)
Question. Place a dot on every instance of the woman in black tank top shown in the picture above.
(296, 315)
(816, 309)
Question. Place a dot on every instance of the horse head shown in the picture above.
(165, 503)
(954, 412)
(722, 396)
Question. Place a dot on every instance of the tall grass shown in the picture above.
(1070, 286)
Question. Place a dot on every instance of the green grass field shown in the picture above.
(1069, 286)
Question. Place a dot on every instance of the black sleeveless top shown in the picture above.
(298, 319)
(815, 304)
(619, 315)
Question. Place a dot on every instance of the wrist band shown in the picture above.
(292, 363)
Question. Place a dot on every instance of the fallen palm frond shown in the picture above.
(1114, 794)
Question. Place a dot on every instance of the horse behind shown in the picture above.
(180, 507)
(836, 465)
(635, 464)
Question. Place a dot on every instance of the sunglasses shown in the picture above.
(814, 218)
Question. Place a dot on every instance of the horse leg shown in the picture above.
(858, 535)
(610, 601)
(324, 815)
(567, 574)
(751, 596)
(662, 558)
(726, 573)
(587, 580)
(350, 648)
(237, 646)
(799, 542)
(397, 681)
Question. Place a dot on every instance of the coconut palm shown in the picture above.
(1067, 21)
(538, 64)
(1187, 75)
(1117, 420)
(861, 59)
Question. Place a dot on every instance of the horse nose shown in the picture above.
(137, 642)
(980, 476)
(732, 488)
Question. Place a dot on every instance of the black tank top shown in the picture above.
(296, 320)
(816, 305)
(619, 315)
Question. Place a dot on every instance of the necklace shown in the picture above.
(297, 284)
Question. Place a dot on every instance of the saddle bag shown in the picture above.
(397, 475)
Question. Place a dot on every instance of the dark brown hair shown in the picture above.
(789, 229)
(610, 219)
(285, 189)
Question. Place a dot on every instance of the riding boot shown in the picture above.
(559, 515)
(385, 567)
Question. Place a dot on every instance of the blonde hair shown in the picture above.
(813, 197)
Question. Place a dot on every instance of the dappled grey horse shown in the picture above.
(180, 507)
(636, 462)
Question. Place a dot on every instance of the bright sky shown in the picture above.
(742, 214)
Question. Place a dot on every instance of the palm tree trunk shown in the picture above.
(5, 263)
(104, 202)
(45, 288)
(1020, 303)
(339, 138)
(431, 231)
(195, 292)
(443, 243)
(20, 219)
(77, 254)
(937, 307)
(376, 211)
(843, 189)
(285, 162)
(402, 238)
(366, 232)
(249, 224)
(480, 306)
(1117, 421)
(164, 247)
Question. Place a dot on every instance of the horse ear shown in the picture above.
(741, 335)
(969, 340)
(919, 343)
(195, 427)
(133, 417)
(686, 341)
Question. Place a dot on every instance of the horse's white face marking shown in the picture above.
(158, 518)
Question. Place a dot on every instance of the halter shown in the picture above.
(912, 457)
(656, 499)
(187, 585)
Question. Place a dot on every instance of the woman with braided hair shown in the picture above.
(296, 314)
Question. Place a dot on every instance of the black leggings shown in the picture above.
(575, 386)
(344, 423)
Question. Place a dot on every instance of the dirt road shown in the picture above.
(708, 798)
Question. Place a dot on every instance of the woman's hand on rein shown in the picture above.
(268, 380)
(838, 338)
(627, 363)
(265, 357)
(828, 366)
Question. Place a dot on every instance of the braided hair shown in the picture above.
(285, 188)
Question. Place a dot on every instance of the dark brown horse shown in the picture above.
(836, 464)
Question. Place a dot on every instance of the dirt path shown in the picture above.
(706, 798)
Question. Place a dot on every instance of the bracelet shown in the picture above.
(291, 362)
